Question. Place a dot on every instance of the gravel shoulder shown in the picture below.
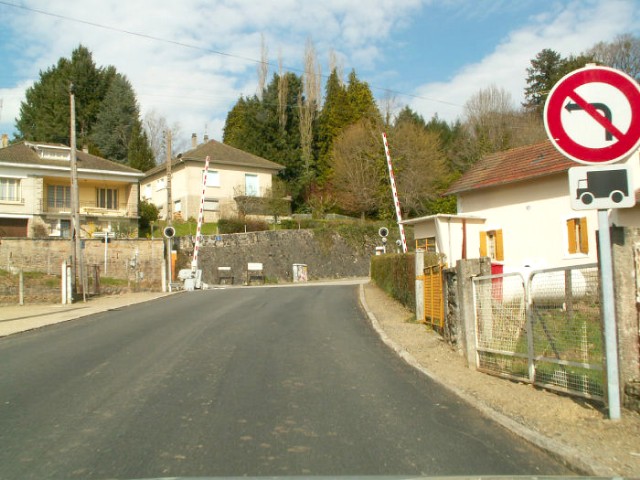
(572, 429)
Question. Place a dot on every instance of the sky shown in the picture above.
(190, 61)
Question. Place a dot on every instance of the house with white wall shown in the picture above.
(232, 174)
(35, 192)
(514, 207)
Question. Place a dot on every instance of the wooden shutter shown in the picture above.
(499, 246)
(584, 236)
(571, 235)
(483, 244)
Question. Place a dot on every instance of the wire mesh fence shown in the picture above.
(544, 329)
(567, 330)
(501, 325)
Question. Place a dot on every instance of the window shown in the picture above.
(177, 206)
(160, 183)
(491, 245)
(429, 244)
(107, 198)
(578, 235)
(147, 191)
(211, 205)
(58, 196)
(10, 189)
(213, 178)
(251, 185)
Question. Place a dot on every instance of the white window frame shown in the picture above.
(211, 202)
(16, 186)
(250, 192)
(213, 178)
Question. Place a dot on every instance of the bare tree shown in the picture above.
(358, 169)
(622, 53)
(308, 103)
(263, 66)
(283, 92)
(419, 165)
(156, 126)
(336, 64)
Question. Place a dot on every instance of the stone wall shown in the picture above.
(138, 260)
(326, 254)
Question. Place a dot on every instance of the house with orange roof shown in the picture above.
(514, 207)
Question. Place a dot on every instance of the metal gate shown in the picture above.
(433, 296)
(544, 329)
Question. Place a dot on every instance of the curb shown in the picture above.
(571, 457)
(75, 314)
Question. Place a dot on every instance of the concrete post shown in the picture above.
(465, 271)
(625, 249)
(419, 262)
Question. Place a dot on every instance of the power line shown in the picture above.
(208, 50)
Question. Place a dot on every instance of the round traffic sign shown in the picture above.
(592, 115)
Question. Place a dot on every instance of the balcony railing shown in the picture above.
(93, 209)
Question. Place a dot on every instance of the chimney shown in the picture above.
(194, 140)
(206, 138)
(5, 141)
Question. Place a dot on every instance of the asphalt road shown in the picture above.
(251, 381)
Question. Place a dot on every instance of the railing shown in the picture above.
(123, 209)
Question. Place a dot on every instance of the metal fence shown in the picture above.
(544, 328)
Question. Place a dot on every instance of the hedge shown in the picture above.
(395, 274)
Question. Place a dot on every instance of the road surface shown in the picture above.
(243, 381)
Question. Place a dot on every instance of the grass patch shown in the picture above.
(113, 282)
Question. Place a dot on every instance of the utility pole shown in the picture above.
(75, 200)
(168, 241)
(169, 202)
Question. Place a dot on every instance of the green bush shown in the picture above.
(237, 225)
(396, 275)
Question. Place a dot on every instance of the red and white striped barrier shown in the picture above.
(396, 202)
(196, 247)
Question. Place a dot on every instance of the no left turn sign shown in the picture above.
(592, 115)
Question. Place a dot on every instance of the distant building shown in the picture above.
(233, 175)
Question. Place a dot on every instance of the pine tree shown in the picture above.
(140, 154)
(44, 114)
(544, 72)
(116, 119)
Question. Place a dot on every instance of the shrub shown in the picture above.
(395, 274)
(237, 225)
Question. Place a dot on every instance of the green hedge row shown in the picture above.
(396, 275)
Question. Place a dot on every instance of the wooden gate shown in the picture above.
(433, 296)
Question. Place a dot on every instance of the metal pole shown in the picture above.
(609, 315)
(168, 183)
(106, 243)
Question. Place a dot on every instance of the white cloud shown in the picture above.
(194, 86)
(569, 29)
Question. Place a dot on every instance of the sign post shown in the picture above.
(592, 116)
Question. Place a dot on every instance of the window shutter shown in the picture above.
(499, 247)
(584, 236)
(483, 244)
(571, 235)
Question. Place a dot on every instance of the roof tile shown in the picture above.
(222, 154)
(515, 165)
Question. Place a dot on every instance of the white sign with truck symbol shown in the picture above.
(601, 187)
